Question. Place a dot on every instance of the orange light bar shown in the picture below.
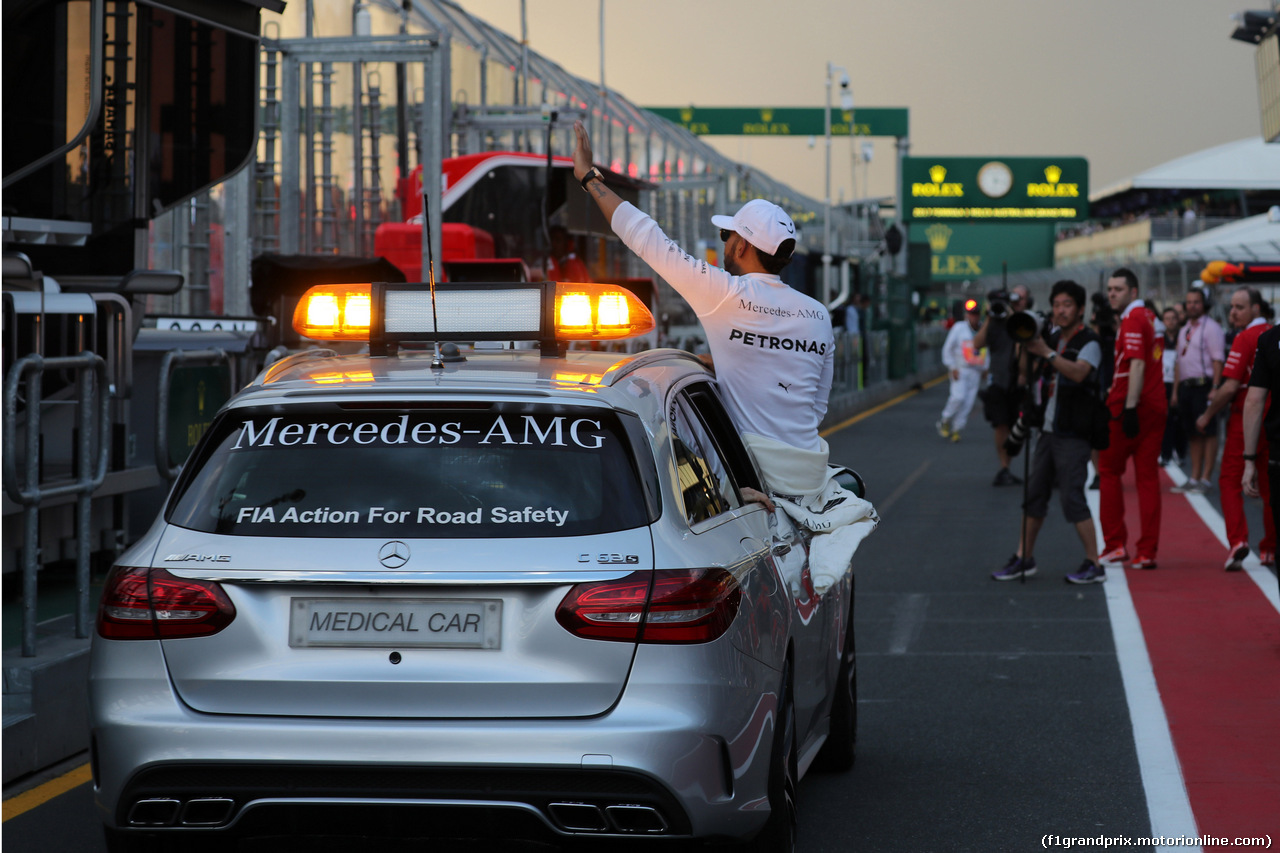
(577, 378)
(599, 312)
(338, 377)
(1218, 272)
(335, 312)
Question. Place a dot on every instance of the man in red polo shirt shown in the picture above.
(1246, 315)
(1138, 411)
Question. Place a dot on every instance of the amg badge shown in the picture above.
(198, 558)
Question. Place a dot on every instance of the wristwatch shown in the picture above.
(1249, 457)
(592, 174)
(1052, 355)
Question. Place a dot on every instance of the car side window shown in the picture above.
(706, 402)
(706, 487)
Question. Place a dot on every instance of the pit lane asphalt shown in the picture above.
(990, 714)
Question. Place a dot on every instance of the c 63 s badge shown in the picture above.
(611, 559)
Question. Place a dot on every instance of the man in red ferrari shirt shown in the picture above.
(1138, 410)
(1246, 315)
(565, 264)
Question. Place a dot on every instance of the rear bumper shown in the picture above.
(669, 760)
(262, 798)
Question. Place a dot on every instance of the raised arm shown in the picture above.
(583, 162)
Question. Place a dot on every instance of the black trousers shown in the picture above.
(1175, 435)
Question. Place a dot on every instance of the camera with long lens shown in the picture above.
(1024, 326)
(998, 304)
(1029, 417)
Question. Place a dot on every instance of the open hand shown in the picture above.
(582, 157)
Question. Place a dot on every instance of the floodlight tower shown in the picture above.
(846, 103)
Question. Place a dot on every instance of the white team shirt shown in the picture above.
(773, 346)
(958, 351)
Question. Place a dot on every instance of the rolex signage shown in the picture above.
(961, 251)
(787, 121)
(995, 189)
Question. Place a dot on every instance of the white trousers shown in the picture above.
(964, 391)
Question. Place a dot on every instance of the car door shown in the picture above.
(787, 546)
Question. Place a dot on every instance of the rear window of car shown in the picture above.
(522, 471)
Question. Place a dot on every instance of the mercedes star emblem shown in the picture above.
(394, 554)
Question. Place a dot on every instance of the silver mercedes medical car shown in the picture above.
(485, 592)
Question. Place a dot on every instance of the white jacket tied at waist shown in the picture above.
(803, 486)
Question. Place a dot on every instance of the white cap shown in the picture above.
(761, 223)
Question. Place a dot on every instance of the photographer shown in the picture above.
(1002, 398)
(1073, 415)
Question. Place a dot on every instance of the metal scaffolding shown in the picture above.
(326, 172)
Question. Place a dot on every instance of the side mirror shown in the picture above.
(852, 481)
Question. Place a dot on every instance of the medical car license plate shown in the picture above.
(395, 623)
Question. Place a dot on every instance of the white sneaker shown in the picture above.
(1190, 487)
(1235, 557)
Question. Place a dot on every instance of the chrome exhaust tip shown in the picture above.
(154, 812)
(579, 817)
(207, 811)
(636, 819)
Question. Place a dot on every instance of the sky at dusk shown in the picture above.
(1129, 84)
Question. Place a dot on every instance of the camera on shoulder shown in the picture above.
(998, 304)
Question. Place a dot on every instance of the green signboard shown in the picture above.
(961, 251)
(995, 189)
(786, 121)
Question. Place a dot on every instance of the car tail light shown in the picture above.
(151, 604)
(665, 606)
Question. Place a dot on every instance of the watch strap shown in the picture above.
(592, 174)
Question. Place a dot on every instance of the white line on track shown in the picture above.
(1213, 520)
(907, 483)
(1168, 805)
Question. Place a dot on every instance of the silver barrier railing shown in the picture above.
(929, 341)
(90, 472)
(877, 344)
(172, 359)
(846, 363)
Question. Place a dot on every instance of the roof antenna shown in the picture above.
(436, 361)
